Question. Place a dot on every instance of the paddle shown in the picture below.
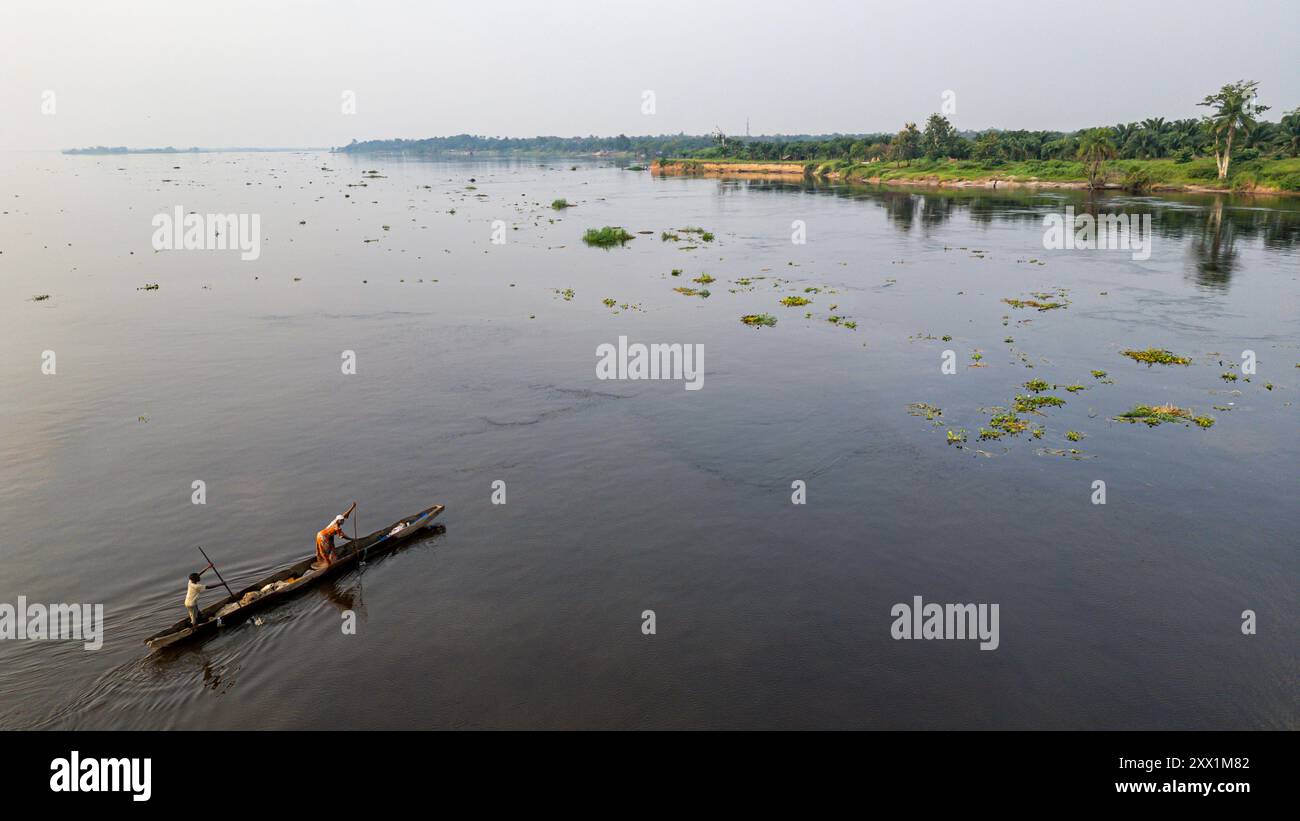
(218, 572)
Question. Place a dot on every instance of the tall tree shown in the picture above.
(907, 145)
(1235, 108)
(939, 137)
(1095, 147)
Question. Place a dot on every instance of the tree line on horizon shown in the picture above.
(1233, 130)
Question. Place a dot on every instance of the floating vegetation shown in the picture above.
(795, 301)
(149, 286)
(666, 237)
(946, 338)
(635, 168)
(756, 320)
(926, 411)
(560, 204)
(606, 237)
(609, 303)
(1157, 356)
(1034, 303)
(1268, 386)
(1031, 404)
(1072, 453)
(1228, 376)
(1008, 423)
(703, 279)
(1037, 385)
(40, 297)
(1073, 435)
(692, 292)
(567, 293)
(1155, 415)
(1098, 374)
(957, 437)
(850, 324)
(1075, 388)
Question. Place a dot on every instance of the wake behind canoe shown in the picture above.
(286, 582)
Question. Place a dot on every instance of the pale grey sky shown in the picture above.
(237, 72)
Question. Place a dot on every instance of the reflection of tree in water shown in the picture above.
(936, 210)
(900, 207)
(1210, 224)
(1215, 249)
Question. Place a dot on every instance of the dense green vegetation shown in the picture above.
(606, 237)
(1230, 146)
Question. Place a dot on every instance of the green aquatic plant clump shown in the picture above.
(685, 291)
(1034, 303)
(560, 204)
(795, 301)
(1153, 415)
(1029, 404)
(1156, 356)
(1037, 385)
(755, 320)
(606, 237)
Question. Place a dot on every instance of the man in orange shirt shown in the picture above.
(325, 539)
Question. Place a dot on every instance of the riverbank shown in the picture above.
(1199, 175)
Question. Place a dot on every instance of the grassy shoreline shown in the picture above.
(1262, 176)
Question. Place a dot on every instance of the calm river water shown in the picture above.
(475, 363)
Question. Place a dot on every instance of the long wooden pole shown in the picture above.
(218, 572)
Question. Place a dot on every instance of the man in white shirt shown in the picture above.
(192, 594)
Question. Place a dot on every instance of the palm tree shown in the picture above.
(1235, 109)
(1290, 133)
(1183, 135)
(1155, 136)
(1095, 147)
(1122, 133)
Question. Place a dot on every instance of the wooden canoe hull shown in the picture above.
(347, 556)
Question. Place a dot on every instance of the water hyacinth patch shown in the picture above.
(1156, 356)
(606, 237)
(1154, 415)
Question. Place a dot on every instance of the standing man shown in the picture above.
(325, 538)
(192, 592)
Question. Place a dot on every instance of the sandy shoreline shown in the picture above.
(800, 169)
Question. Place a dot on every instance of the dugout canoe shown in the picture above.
(293, 579)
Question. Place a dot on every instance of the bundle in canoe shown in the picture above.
(298, 576)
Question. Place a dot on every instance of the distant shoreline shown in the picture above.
(102, 150)
(1164, 175)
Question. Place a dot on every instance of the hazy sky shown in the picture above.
(231, 72)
